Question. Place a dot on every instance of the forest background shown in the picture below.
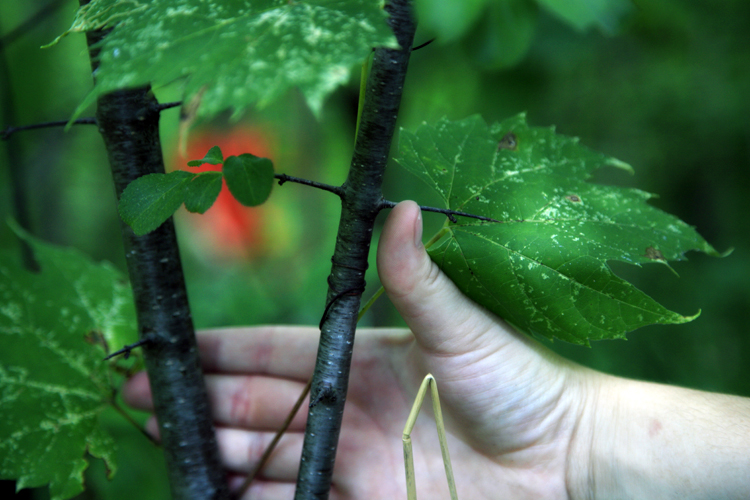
(664, 88)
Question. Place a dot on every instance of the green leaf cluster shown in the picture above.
(543, 266)
(150, 200)
(233, 54)
(56, 326)
(499, 32)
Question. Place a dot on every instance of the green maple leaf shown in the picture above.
(543, 265)
(55, 327)
(233, 53)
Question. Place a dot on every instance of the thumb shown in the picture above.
(443, 320)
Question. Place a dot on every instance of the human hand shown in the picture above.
(510, 405)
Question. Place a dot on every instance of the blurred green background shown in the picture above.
(665, 88)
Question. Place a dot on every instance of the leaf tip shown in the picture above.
(688, 319)
(614, 162)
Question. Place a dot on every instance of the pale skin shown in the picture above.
(523, 423)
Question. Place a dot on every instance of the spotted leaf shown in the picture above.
(543, 266)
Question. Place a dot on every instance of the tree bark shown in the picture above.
(361, 202)
(129, 123)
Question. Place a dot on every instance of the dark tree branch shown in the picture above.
(337, 190)
(361, 202)
(59, 123)
(129, 123)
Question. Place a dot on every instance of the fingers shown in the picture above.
(282, 351)
(241, 451)
(441, 317)
(259, 403)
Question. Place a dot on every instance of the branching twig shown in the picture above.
(125, 351)
(9, 131)
(58, 123)
(168, 105)
(423, 45)
(337, 190)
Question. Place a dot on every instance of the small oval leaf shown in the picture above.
(214, 157)
(249, 178)
(202, 192)
(150, 200)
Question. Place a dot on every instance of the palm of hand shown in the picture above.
(518, 447)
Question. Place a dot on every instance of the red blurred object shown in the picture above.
(228, 228)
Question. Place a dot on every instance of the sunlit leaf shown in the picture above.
(152, 199)
(543, 267)
(55, 328)
(235, 53)
(249, 178)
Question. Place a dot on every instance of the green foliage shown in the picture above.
(55, 329)
(213, 157)
(233, 54)
(543, 267)
(249, 178)
(499, 32)
(449, 19)
(505, 33)
(203, 191)
(583, 14)
(150, 200)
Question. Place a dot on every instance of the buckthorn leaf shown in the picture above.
(152, 199)
(214, 157)
(543, 268)
(249, 178)
(202, 191)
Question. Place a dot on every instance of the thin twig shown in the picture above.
(135, 424)
(337, 190)
(449, 213)
(167, 105)
(129, 348)
(423, 45)
(269, 449)
(59, 123)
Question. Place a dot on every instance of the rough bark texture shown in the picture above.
(129, 123)
(361, 202)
